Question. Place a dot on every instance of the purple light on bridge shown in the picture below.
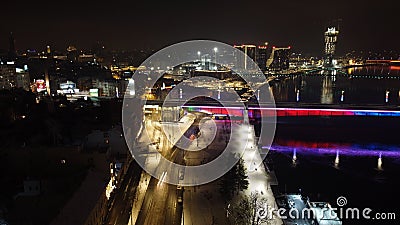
(345, 150)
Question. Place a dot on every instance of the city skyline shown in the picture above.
(199, 112)
(133, 25)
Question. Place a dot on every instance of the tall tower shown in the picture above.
(262, 54)
(279, 59)
(330, 45)
(250, 51)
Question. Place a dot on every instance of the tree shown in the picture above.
(247, 210)
(242, 182)
(235, 180)
(242, 212)
(227, 185)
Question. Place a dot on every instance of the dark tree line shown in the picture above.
(234, 181)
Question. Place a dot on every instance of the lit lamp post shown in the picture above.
(342, 97)
(387, 97)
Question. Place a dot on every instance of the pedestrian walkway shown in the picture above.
(257, 175)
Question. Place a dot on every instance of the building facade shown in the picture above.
(258, 54)
(13, 77)
(279, 59)
(262, 56)
(243, 61)
(330, 45)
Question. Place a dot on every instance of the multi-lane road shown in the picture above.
(160, 204)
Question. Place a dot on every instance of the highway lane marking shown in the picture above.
(162, 178)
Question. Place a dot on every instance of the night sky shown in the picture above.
(154, 24)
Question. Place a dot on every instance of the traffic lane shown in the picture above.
(156, 213)
(153, 210)
(147, 203)
(160, 204)
(160, 201)
(128, 200)
(173, 209)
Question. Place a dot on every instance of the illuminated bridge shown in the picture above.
(289, 110)
(383, 61)
(310, 124)
(320, 126)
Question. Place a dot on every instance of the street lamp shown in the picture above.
(380, 161)
(342, 97)
(387, 97)
(199, 55)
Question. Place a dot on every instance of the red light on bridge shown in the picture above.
(395, 67)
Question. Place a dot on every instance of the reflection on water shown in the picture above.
(335, 148)
(326, 170)
(380, 162)
(374, 71)
(337, 159)
(369, 180)
(327, 90)
(365, 85)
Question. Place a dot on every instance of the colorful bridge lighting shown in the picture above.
(288, 112)
(327, 112)
(347, 151)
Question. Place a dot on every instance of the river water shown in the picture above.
(368, 85)
(365, 172)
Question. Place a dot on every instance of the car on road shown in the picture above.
(181, 174)
(179, 193)
(180, 199)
